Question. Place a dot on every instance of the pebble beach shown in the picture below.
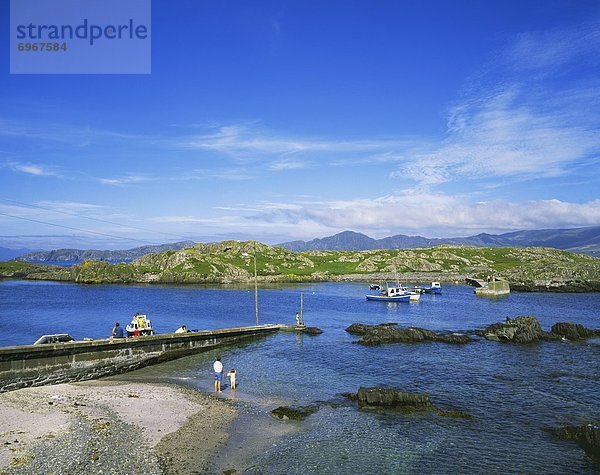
(108, 427)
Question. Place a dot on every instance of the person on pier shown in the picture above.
(117, 331)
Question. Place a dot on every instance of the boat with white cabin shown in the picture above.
(434, 288)
(391, 294)
(140, 326)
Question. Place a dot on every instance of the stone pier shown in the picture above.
(37, 365)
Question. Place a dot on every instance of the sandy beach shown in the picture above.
(111, 427)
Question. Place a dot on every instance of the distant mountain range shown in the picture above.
(78, 255)
(7, 254)
(584, 240)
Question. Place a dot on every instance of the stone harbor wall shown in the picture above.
(498, 287)
(37, 365)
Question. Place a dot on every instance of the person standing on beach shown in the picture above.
(231, 375)
(218, 368)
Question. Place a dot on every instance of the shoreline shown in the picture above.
(549, 285)
(104, 426)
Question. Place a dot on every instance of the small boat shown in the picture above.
(435, 288)
(391, 294)
(415, 295)
(140, 326)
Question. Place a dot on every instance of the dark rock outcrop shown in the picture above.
(557, 285)
(587, 436)
(362, 328)
(389, 397)
(573, 331)
(296, 413)
(528, 330)
(454, 414)
(397, 400)
(312, 331)
(391, 333)
(524, 329)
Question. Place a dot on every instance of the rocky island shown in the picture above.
(528, 268)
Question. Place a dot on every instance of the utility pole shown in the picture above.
(255, 286)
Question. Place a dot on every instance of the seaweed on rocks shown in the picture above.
(391, 333)
(296, 413)
(587, 436)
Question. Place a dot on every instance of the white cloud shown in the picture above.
(78, 136)
(35, 169)
(522, 117)
(432, 215)
(68, 206)
(543, 51)
(177, 219)
(288, 164)
(226, 174)
(125, 180)
(250, 140)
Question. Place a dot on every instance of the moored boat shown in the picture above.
(140, 326)
(435, 288)
(391, 294)
(415, 295)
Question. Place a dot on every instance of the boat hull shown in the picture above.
(139, 332)
(385, 298)
(435, 290)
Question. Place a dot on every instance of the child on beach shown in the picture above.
(231, 375)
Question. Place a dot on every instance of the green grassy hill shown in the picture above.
(233, 262)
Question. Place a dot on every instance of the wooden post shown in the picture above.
(255, 286)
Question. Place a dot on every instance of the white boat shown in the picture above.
(415, 295)
(435, 288)
(391, 294)
(140, 326)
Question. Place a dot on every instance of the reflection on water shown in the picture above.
(512, 391)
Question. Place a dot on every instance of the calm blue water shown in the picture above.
(511, 391)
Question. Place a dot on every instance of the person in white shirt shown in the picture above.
(218, 368)
(231, 375)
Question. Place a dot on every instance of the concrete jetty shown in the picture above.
(38, 365)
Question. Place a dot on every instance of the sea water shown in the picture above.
(511, 391)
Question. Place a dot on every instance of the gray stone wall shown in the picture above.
(37, 365)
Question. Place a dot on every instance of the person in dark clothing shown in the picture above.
(117, 331)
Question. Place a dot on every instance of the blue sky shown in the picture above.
(286, 120)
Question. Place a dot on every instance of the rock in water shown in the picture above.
(362, 328)
(391, 333)
(293, 413)
(588, 436)
(573, 331)
(518, 330)
(312, 331)
(390, 397)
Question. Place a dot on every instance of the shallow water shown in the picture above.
(512, 391)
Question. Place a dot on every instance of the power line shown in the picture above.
(93, 219)
(78, 229)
